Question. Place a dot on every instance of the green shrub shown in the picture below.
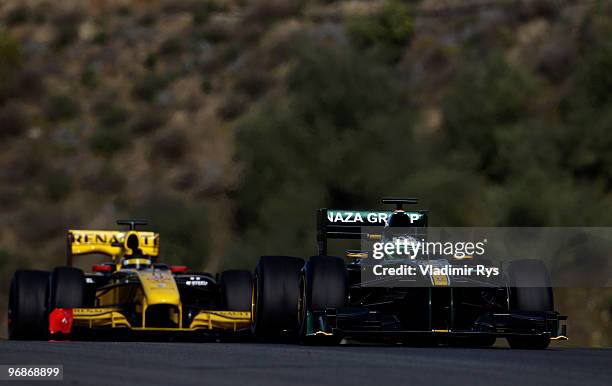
(170, 146)
(148, 86)
(386, 33)
(202, 11)
(151, 60)
(148, 19)
(593, 78)
(18, 15)
(340, 133)
(14, 120)
(66, 29)
(485, 99)
(172, 46)
(148, 120)
(183, 226)
(113, 116)
(89, 76)
(62, 107)
(100, 38)
(104, 178)
(10, 64)
(106, 141)
(58, 185)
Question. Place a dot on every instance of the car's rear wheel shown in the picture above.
(235, 290)
(530, 290)
(27, 311)
(275, 295)
(323, 285)
(67, 288)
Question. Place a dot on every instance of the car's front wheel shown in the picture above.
(323, 285)
(235, 290)
(27, 311)
(67, 288)
(274, 307)
(530, 290)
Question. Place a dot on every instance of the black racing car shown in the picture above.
(325, 299)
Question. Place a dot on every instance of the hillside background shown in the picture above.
(227, 123)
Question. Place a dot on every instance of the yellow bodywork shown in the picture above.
(154, 287)
(111, 317)
(111, 243)
(439, 280)
(159, 287)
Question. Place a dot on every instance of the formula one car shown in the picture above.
(131, 295)
(325, 300)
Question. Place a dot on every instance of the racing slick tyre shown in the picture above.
(27, 310)
(530, 290)
(235, 290)
(323, 285)
(67, 288)
(274, 307)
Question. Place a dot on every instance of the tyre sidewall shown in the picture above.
(276, 294)
(235, 288)
(28, 305)
(67, 288)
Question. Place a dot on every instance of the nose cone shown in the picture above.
(159, 287)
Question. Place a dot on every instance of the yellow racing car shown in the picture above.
(131, 295)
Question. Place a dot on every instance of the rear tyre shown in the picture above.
(323, 285)
(27, 311)
(67, 288)
(235, 290)
(530, 290)
(274, 307)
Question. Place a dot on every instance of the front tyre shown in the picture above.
(67, 288)
(323, 285)
(27, 311)
(530, 290)
(274, 307)
(235, 290)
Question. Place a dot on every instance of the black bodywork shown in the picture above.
(421, 310)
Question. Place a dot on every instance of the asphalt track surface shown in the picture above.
(148, 363)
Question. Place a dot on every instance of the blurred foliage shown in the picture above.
(108, 140)
(343, 118)
(183, 227)
(149, 85)
(203, 9)
(387, 32)
(58, 185)
(67, 29)
(342, 136)
(502, 94)
(62, 107)
(10, 61)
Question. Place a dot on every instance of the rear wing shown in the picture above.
(347, 223)
(110, 243)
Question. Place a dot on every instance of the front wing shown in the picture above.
(361, 323)
(67, 320)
